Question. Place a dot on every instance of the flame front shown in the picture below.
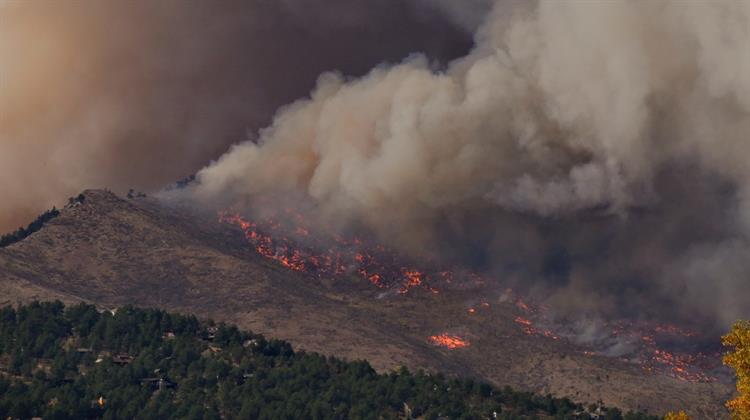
(679, 365)
(385, 270)
(281, 244)
(449, 341)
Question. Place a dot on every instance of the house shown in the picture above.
(212, 332)
(122, 359)
(159, 383)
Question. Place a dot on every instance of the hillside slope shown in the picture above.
(82, 362)
(113, 251)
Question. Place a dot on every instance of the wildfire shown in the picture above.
(522, 305)
(527, 326)
(448, 341)
(644, 336)
(474, 309)
(523, 321)
(413, 278)
(291, 243)
(294, 247)
(681, 365)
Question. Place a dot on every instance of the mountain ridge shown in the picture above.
(114, 251)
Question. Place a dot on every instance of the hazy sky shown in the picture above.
(141, 93)
(595, 150)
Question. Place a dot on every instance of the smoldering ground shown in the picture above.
(592, 153)
(138, 94)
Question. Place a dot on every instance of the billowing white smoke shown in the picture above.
(96, 94)
(560, 108)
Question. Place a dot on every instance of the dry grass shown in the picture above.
(112, 251)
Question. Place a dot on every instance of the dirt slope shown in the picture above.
(112, 251)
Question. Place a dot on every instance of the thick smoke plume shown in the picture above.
(596, 152)
(138, 94)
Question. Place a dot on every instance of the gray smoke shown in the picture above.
(141, 93)
(594, 152)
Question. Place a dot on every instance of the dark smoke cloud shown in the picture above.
(141, 93)
(595, 153)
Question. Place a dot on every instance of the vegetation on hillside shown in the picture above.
(21, 233)
(79, 362)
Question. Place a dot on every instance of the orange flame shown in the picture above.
(448, 341)
(528, 328)
(279, 240)
(335, 261)
(679, 365)
(522, 305)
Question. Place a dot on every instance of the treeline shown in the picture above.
(22, 233)
(79, 362)
(34, 226)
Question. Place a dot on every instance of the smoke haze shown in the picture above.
(595, 152)
(140, 93)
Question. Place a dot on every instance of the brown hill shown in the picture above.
(113, 251)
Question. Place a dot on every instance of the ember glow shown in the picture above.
(527, 326)
(289, 242)
(644, 338)
(530, 311)
(682, 365)
(449, 341)
(473, 310)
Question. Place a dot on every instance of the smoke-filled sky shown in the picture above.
(595, 153)
(140, 93)
(599, 151)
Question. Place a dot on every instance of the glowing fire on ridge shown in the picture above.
(682, 366)
(449, 341)
(382, 269)
(651, 358)
(282, 244)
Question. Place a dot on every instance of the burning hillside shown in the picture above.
(667, 349)
(449, 341)
(657, 348)
(288, 241)
(291, 242)
(145, 251)
(567, 145)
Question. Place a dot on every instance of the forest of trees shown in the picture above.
(79, 362)
(21, 233)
